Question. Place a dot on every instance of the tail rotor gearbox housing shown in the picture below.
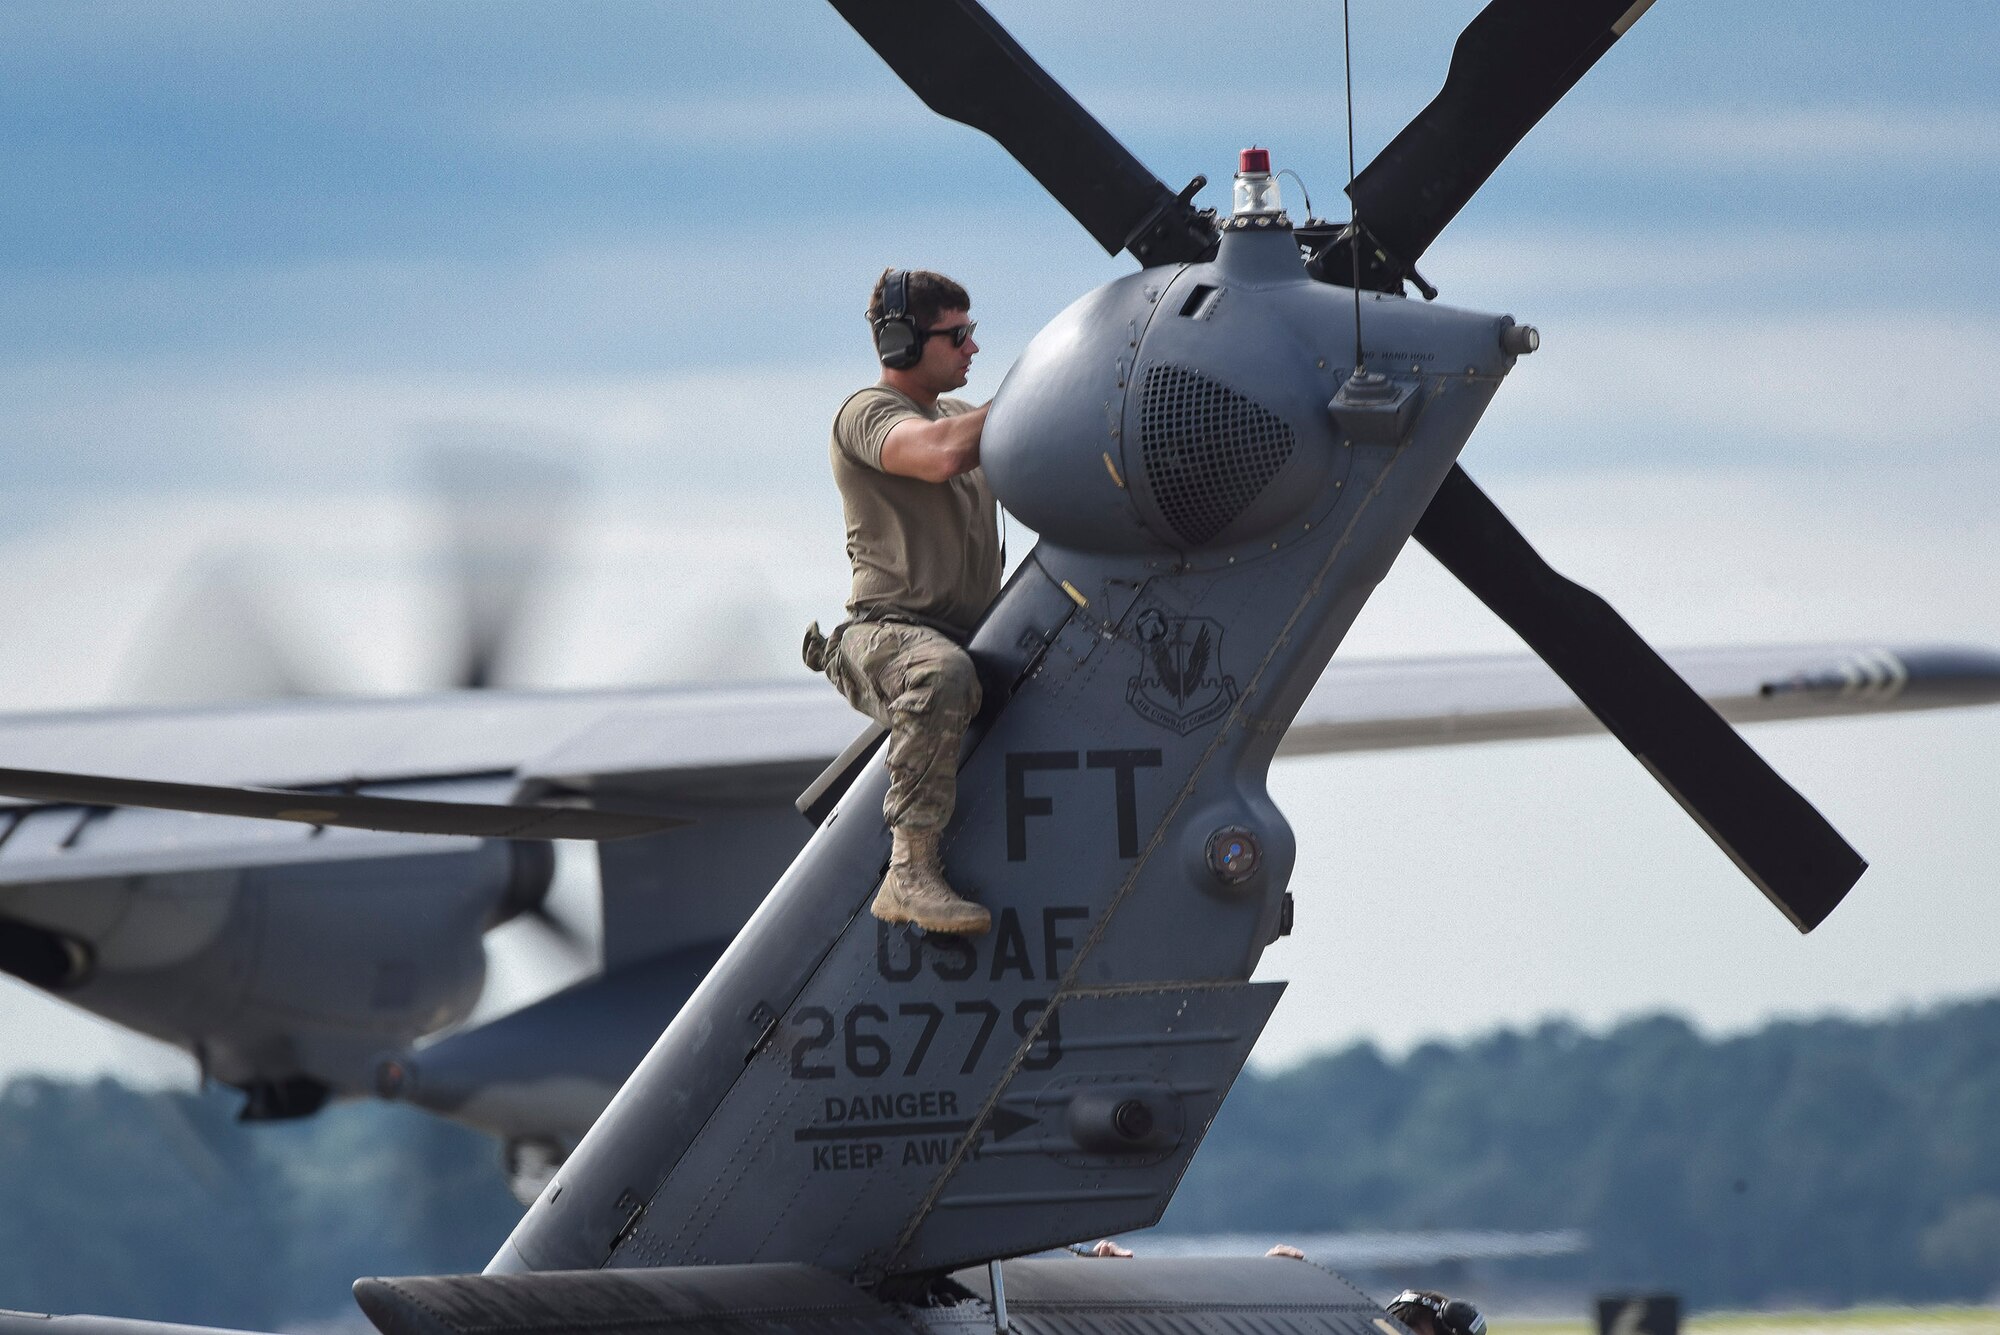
(1184, 415)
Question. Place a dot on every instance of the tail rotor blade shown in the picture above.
(1512, 63)
(1772, 833)
(966, 67)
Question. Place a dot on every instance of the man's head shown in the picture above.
(1428, 1312)
(939, 319)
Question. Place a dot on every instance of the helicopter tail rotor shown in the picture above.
(1514, 62)
(1767, 828)
(1511, 65)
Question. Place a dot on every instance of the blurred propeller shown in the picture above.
(215, 637)
(554, 940)
(965, 66)
(1511, 64)
(1772, 833)
(507, 517)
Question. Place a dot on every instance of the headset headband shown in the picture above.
(896, 295)
(898, 342)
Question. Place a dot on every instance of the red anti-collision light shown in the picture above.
(1254, 160)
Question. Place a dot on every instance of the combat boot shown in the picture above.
(915, 890)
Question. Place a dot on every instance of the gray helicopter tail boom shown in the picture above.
(879, 1103)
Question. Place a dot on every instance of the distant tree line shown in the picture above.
(1826, 1162)
(160, 1205)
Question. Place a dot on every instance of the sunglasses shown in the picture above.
(958, 333)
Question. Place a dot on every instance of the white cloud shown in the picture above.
(319, 428)
(1788, 139)
(654, 585)
(1640, 267)
(1888, 389)
(860, 119)
(780, 117)
(1707, 555)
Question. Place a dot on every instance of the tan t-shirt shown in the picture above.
(929, 549)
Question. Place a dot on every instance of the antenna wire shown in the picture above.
(1354, 213)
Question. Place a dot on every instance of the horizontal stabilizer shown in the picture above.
(480, 820)
(704, 1300)
(1249, 1296)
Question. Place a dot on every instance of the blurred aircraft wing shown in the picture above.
(677, 751)
(35, 1323)
(1363, 1251)
(1382, 704)
(304, 743)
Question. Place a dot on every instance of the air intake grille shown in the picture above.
(1207, 450)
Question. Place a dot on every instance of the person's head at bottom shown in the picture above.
(1428, 1312)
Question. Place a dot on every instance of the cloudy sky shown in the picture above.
(256, 259)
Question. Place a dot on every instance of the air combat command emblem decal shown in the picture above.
(1180, 683)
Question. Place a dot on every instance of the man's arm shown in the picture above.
(934, 451)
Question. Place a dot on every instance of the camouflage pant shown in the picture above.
(921, 686)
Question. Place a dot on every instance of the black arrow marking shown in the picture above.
(1003, 1124)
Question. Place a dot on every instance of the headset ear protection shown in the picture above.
(898, 342)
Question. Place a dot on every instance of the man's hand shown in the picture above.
(934, 451)
(1106, 1247)
(1287, 1251)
